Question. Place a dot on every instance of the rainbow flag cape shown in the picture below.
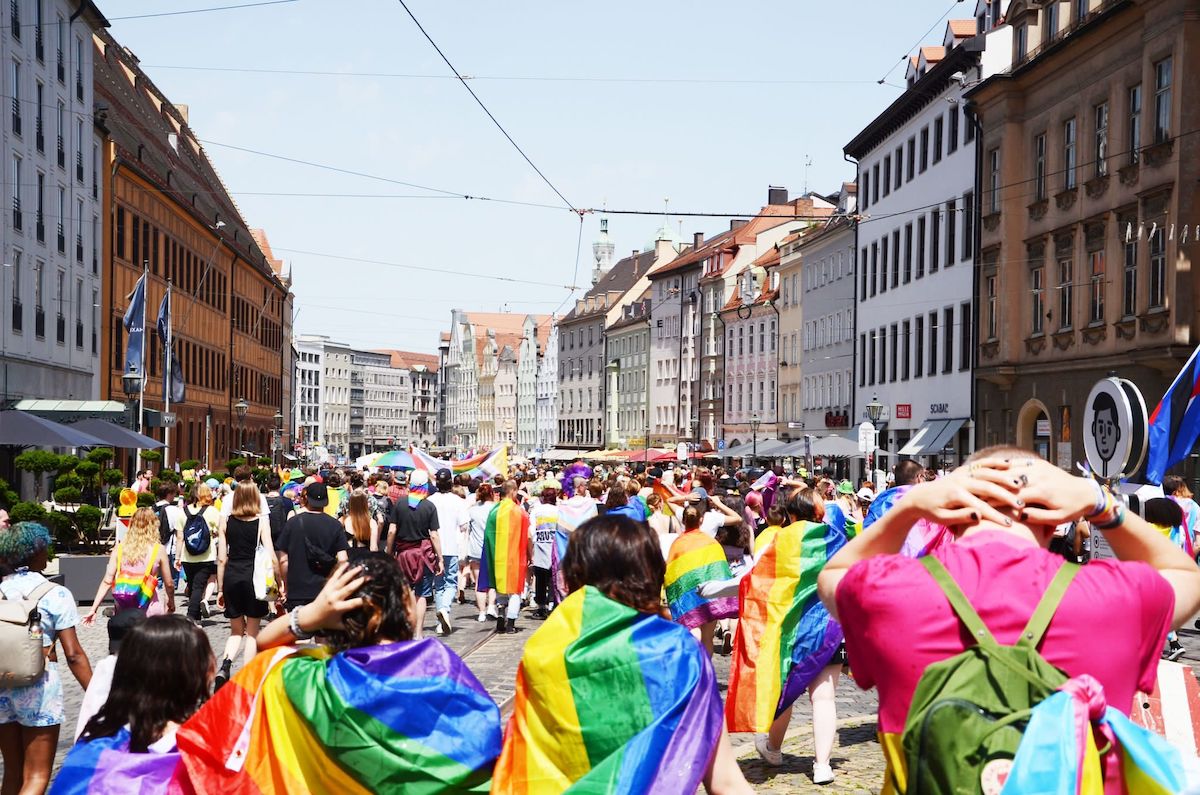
(694, 560)
(105, 765)
(416, 494)
(505, 549)
(667, 491)
(571, 514)
(336, 497)
(1058, 751)
(785, 635)
(609, 700)
(404, 717)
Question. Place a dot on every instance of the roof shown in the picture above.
(407, 360)
(626, 320)
(962, 28)
(735, 298)
(767, 258)
(444, 336)
(933, 54)
(497, 321)
(620, 278)
(260, 237)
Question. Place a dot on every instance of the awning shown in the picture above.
(766, 448)
(933, 437)
(22, 429)
(116, 435)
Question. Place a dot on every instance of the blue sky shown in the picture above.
(664, 123)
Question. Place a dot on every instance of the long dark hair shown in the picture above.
(619, 557)
(616, 497)
(384, 611)
(162, 674)
(805, 505)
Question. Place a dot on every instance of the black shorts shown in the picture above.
(240, 601)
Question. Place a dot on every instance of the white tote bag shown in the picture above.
(265, 588)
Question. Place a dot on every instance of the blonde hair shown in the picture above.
(245, 501)
(142, 535)
(203, 495)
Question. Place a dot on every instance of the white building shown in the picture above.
(387, 402)
(547, 392)
(506, 396)
(628, 355)
(51, 280)
(915, 242)
(529, 356)
(309, 367)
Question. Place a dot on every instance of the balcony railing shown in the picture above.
(39, 48)
(16, 116)
(14, 11)
(79, 167)
(62, 69)
(62, 153)
(17, 215)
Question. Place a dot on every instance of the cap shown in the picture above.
(120, 624)
(444, 476)
(419, 477)
(317, 495)
(865, 494)
(845, 487)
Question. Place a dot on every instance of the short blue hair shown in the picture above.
(21, 543)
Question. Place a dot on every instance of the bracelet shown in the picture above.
(294, 625)
(1104, 508)
(1113, 514)
(1101, 498)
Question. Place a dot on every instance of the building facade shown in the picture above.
(52, 279)
(506, 396)
(386, 402)
(1089, 181)
(423, 389)
(751, 362)
(627, 391)
(336, 375)
(528, 361)
(547, 392)
(917, 204)
(309, 373)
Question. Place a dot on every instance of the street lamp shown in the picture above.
(874, 412)
(754, 423)
(241, 407)
(874, 409)
(278, 446)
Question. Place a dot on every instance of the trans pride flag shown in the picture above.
(404, 717)
(486, 465)
(609, 700)
(694, 560)
(505, 549)
(1175, 422)
(105, 765)
(785, 635)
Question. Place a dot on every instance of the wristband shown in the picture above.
(1101, 498)
(294, 625)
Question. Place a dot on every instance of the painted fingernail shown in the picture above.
(1007, 521)
(1024, 516)
(1020, 503)
(1024, 480)
(974, 517)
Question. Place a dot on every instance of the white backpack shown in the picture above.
(22, 660)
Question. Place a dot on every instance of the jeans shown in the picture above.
(197, 580)
(445, 585)
(543, 594)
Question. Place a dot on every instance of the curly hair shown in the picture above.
(619, 557)
(384, 612)
(141, 536)
(21, 543)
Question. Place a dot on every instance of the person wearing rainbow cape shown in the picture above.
(611, 696)
(507, 553)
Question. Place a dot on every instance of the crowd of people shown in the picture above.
(632, 577)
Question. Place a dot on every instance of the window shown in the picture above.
(920, 246)
(1135, 122)
(1158, 269)
(968, 243)
(895, 258)
(874, 267)
(1079, 10)
(39, 97)
(39, 268)
(1096, 285)
(79, 151)
(16, 193)
(948, 339)
(62, 131)
(15, 15)
(924, 149)
(1162, 100)
(881, 333)
(991, 307)
(875, 183)
(919, 349)
(952, 133)
(951, 230)
(1050, 27)
(1039, 167)
(862, 358)
(16, 97)
(17, 314)
(899, 167)
(935, 239)
(910, 161)
(938, 137)
(964, 336)
(894, 372)
(40, 220)
(871, 360)
(60, 325)
(866, 188)
(906, 339)
(1037, 292)
(62, 43)
(1020, 42)
(994, 180)
(883, 265)
(887, 175)
(1129, 283)
(1069, 154)
(79, 314)
(968, 127)
(933, 343)
(1100, 138)
(908, 260)
(1066, 290)
(862, 269)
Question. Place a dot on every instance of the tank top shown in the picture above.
(134, 586)
(241, 535)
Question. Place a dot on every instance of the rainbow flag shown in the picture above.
(571, 514)
(336, 497)
(785, 635)
(105, 765)
(667, 491)
(368, 720)
(694, 560)
(416, 494)
(489, 464)
(609, 700)
(505, 549)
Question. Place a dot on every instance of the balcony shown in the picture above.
(17, 215)
(39, 322)
(79, 167)
(62, 154)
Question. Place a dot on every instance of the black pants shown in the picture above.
(542, 593)
(197, 580)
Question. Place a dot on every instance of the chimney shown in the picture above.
(635, 253)
(737, 223)
(697, 240)
(776, 195)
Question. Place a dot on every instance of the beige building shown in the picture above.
(1089, 212)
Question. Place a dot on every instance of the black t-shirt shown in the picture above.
(305, 537)
(413, 524)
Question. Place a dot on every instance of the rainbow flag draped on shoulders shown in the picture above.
(105, 765)
(694, 560)
(572, 513)
(785, 635)
(505, 549)
(405, 717)
(667, 491)
(609, 700)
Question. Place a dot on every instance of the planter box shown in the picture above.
(82, 574)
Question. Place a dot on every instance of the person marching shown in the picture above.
(506, 555)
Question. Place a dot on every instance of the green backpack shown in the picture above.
(969, 712)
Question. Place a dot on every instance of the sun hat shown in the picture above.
(845, 487)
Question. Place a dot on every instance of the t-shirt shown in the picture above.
(1111, 623)
(711, 522)
(227, 506)
(97, 692)
(452, 517)
(542, 528)
(212, 518)
(414, 524)
(323, 533)
(57, 608)
(479, 513)
(633, 510)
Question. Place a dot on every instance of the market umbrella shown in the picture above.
(115, 435)
(22, 429)
(396, 459)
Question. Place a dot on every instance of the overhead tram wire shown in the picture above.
(479, 101)
(202, 10)
(905, 57)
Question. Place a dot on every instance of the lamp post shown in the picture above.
(754, 423)
(277, 448)
(131, 383)
(874, 412)
(241, 407)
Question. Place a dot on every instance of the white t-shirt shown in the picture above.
(453, 516)
(542, 527)
(96, 693)
(711, 522)
(227, 506)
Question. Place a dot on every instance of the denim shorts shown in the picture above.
(37, 705)
(425, 587)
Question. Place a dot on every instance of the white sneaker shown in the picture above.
(772, 756)
(443, 618)
(822, 774)
(482, 617)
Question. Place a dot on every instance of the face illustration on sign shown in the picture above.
(1105, 430)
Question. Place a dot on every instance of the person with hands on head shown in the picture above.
(1003, 506)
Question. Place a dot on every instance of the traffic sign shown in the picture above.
(866, 438)
(795, 425)
(720, 444)
(1114, 424)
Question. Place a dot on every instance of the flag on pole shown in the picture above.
(172, 369)
(1175, 422)
(134, 320)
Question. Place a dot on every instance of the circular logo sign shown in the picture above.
(1114, 428)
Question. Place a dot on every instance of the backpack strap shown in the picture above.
(1032, 634)
(958, 601)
